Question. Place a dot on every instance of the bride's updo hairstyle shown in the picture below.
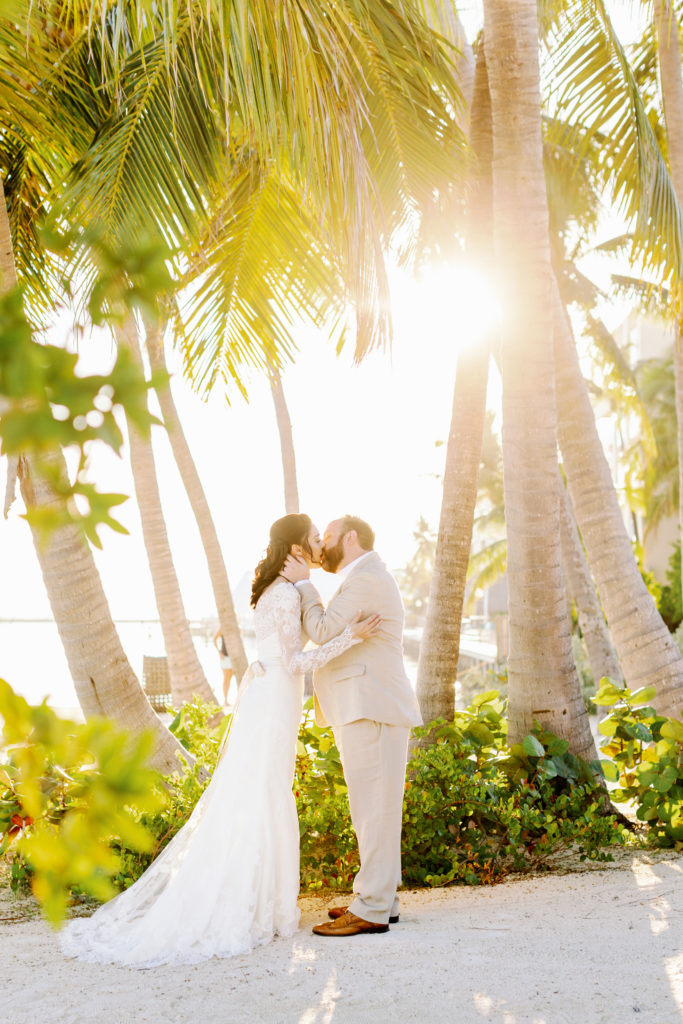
(284, 533)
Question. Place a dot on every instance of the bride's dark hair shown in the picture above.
(291, 529)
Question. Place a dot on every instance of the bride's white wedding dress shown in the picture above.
(229, 880)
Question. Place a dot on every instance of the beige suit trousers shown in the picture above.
(374, 758)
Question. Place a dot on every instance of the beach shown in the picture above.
(590, 944)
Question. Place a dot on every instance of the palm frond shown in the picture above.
(485, 567)
(257, 272)
(595, 88)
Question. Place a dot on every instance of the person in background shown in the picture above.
(226, 664)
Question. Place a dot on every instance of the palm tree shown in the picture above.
(284, 426)
(671, 80)
(102, 675)
(646, 651)
(227, 618)
(439, 647)
(104, 680)
(152, 148)
(543, 683)
(581, 589)
(186, 673)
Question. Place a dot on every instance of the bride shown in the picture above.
(229, 879)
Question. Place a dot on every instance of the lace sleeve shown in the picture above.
(287, 614)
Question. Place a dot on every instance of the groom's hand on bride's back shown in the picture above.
(295, 569)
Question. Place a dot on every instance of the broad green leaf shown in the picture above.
(672, 729)
(532, 746)
(609, 770)
(666, 779)
(643, 696)
(608, 727)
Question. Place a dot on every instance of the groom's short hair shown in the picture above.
(364, 532)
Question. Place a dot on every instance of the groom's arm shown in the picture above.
(322, 624)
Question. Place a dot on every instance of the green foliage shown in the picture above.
(476, 810)
(473, 809)
(124, 279)
(201, 732)
(69, 794)
(646, 759)
(649, 578)
(45, 406)
(670, 603)
(329, 854)
(416, 577)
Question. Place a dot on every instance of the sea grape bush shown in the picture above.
(645, 759)
(475, 808)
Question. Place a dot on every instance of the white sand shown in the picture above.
(603, 945)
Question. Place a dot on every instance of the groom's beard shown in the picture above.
(332, 556)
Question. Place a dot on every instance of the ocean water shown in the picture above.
(33, 662)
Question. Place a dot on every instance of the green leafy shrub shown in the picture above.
(69, 794)
(473, 809)
(646, 759)
(670, 602)
(201, 732)
(329, 853)
(476, 810)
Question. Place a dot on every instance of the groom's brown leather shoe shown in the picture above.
(349, 924)
(335, 912)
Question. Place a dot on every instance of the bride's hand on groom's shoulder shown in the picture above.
(295, 569)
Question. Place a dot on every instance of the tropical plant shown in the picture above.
(646, 759)
(581, 591)
(416, 575)
(144, 109)
(474, 809)
(227, 618)
(284, 426)
(66, 790)
(670, 599)
(440, 645)
(542, 679)
(186, 674)
(38, 386)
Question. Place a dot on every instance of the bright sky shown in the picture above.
(365, 441)
(365, 444)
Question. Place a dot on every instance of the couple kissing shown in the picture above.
(229, 880)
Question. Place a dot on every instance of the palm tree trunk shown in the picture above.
(186, 674)
(678, 383)
(647, 653)
(218, 573)
(542, 677)
(440, 646)
(102, 675)
(601, 656)
(284, 426)
(8, 280)
(671, 78)
(104, 680)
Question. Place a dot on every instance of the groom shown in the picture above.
(365, 695)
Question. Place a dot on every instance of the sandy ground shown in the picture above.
(601, 945)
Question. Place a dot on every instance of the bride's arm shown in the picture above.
(288, 619)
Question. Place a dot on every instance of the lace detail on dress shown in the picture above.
(279, 611)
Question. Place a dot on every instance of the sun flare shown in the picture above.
(453, 305)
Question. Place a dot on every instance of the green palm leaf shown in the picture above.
(594, 88)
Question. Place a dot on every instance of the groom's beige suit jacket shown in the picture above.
(368, 680)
